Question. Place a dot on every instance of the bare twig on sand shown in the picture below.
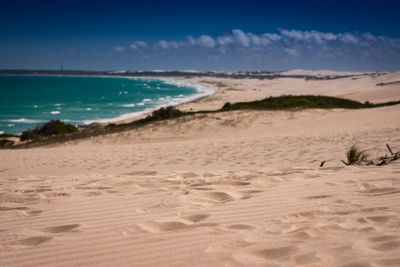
(356, 156)
(384, 160)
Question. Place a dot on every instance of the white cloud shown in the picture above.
(138, 45)
(279, 47)
(294, 40)
(241, 37)
(298, 35)
(203, 41)
(168, 44)
(224, 40)
(291, 39)
(306, 36)
(368, 36)
(191, 40)
(272, 36)
(119, 49)
(348, 38)
(206, 41)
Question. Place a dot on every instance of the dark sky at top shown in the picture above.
(232, 35)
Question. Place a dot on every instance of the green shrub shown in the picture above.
(53, 127)
(227, 106)
(355, 155)
(6, 142)
(5, 135)
(291, 102)
(163, 114)
(166, 113)
(28, 135)
(110, 125)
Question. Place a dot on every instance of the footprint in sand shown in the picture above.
(196, 217)
(186, 175)
(12, 208)
(31, 241)
(301, 234)
(141, 173)
(18, 211)
(59, 228)
(315, 197)
(374, 209)
(55, 194)
(234, 183)
(382, 238)
(157, 227)
(379, 191)
(219, 196)
(387, 245)
(379, 219)
(203, 188)
(306, 258)
(249, 193)
(276, 253)
(17, 198)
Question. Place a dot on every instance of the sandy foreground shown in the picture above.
(235, 189)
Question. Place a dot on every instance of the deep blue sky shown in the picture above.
(101, 35)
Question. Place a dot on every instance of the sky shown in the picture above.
(201, 35)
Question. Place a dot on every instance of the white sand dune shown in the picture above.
(234, 188)
(361, 87)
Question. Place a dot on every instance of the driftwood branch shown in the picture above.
(380, 161)
(390, 150)
(383, 160)
(345, 163)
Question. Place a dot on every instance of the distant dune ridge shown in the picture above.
(238, 188)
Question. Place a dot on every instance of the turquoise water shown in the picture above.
(27, 101)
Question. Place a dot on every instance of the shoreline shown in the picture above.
(222, 90)
(202, 91)
(140, 114)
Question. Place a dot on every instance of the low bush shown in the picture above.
(292, 102)
(110, 125)
(53, 127)
(164, 114)
(355, 155)
(6, 135)
(6, 143)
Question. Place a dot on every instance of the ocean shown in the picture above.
(28, 101)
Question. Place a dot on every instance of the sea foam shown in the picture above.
(100, 94)
(202, 91)
(23, 120)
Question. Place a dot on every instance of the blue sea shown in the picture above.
(27, 101)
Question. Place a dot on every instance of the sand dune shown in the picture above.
(327, 216)
(234, 189)
(360, 86)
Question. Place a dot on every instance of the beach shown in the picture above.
(237, 188)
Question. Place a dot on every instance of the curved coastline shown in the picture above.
(203, 92)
